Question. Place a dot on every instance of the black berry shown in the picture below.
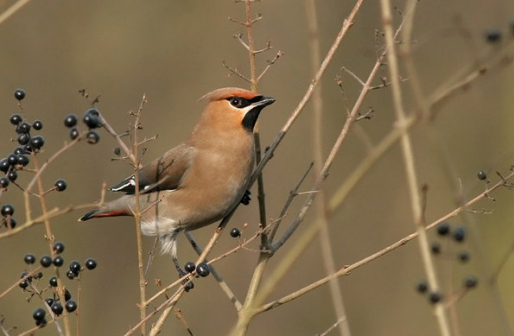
(53, 281)
(12, 159)
(70, 120)
(434, 297)
(75, 267)
(46, 261)
(23, 160)
(91, 264)
(4, 182)
(7, 210)
(24, 284)
(37, 142)
(435, 248)
(20, 150)
(493, 35)
(481, 175)
(203, 270)
(49, 301)
(4, 165)
(94, 112)
(29, 259)
(39, 275)
(190, 267)
(71, 306)
(74, 133)
(70, 274)
(57, 308)
(464, 256)
(39, 314)
(117, 151)
(67, 295)
(10, 222)
(459, 234)
(60, 185)
(234, 233)
(23, 138)
(471, 281)
(58, 247)
(12, 175)
(37, 125)
(92, 137)
(58, 261)
(24, 127)
(422, 287)
(41, 323)
(91, 120)
(19, 94)
(16, 119)
(24, 274)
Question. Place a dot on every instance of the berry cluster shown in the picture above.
(7, 210)
(91, 119)
(202, 269)
(53, 302)
(458, 235)
(28, 144)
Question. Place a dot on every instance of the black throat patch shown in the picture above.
(250, 118)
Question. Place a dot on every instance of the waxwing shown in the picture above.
(201, 180)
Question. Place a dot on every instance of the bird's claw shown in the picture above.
(187, 283)
(246, 198)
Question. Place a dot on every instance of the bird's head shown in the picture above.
(236, 105)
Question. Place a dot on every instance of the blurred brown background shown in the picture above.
(172, 51)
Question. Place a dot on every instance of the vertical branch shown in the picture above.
(263, 257)
(251, 46)
(254, 82)
(50, 239)
(137, 220)
(248, 311)
(321, 213)
(408, 157)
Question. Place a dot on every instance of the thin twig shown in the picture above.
(12, 10)
(270, 63)
(224, 286)
(17, 283)
(292, 194)
(346, 270)
(236, 72)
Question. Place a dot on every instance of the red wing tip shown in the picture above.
(98, 214)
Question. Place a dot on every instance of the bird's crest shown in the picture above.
(228, 92)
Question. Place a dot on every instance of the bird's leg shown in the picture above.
(188, 285)
(246, 198)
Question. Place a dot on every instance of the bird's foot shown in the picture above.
(246, 198)
(187, 283)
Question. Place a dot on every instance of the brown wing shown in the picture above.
(164, 173)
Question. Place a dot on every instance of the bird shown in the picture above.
(199, 181)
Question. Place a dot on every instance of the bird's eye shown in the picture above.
(238, 102)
